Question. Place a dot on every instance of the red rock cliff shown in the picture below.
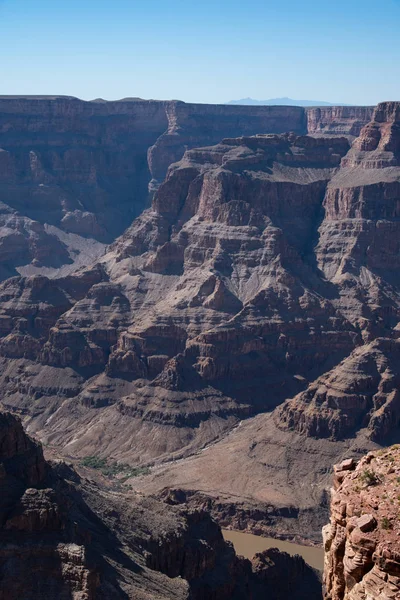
(362, 546)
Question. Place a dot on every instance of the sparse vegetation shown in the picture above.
(93, 462)
(386, 524)
(369, 477)
(112, 469)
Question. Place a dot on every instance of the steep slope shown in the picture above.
(362, 391)
(358, 252)
(362, 549)
(64, 537)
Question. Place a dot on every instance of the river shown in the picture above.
(247, 545)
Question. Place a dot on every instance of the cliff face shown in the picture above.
(358, 252)
(361, 391)
(204, 296)
(196, 125)
(342, 120)
(73, 174)
(260, 259)
(362, 549)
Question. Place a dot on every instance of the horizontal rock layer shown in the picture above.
(73, 174)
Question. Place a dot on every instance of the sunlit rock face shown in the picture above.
(362, 549)
(358, 252)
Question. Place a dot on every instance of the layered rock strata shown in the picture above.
(201, 299)
(358, 253)
(265, 270)
(362, 548)
(73, 174)
(344, 120)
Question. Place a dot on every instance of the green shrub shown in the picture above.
(369, 477)
(386, 524)
(113, 469)
(94, 462)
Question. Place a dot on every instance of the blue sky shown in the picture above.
(208, 51)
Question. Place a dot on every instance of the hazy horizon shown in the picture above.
(342, 53)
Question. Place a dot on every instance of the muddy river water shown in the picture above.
(247, 544)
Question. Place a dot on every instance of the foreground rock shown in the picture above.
(62, 536)
(362, 546)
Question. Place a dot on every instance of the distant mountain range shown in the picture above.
(285, 102)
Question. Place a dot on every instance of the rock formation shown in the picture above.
(342, 120)
(264, 272)
(73, 174)
(358, 252)
(362, 547)
(362, 391)
(63, 536)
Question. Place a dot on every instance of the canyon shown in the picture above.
(210, 293)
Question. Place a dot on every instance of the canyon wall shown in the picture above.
(261, 258)
(358, 253)
(344, 120)
(362, 548)
(263, 275)
(74, 174)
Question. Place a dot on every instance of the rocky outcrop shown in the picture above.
(362, 550)
(235, 246)
(36, 556)
(286, 576)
